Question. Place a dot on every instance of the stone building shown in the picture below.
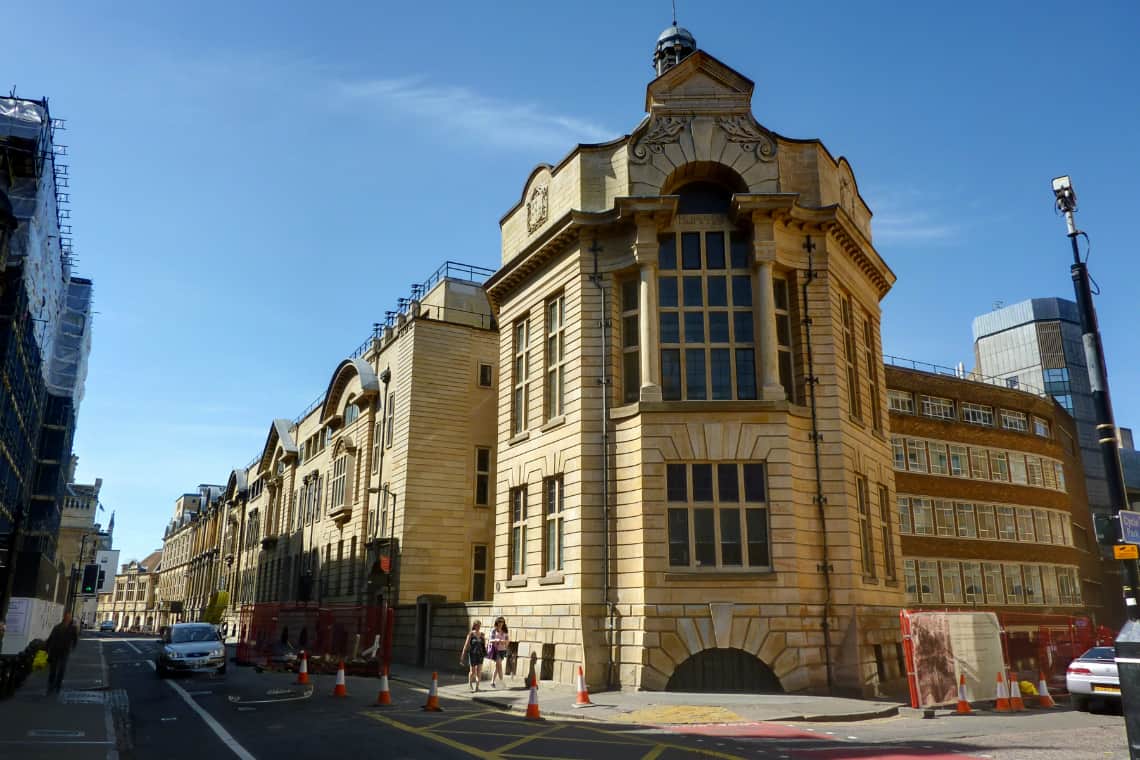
(131, 604)
(992, 507)
(693, 491)
(177, 550)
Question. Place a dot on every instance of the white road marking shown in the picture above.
(132, 646)
(108, 718)
(214, 725)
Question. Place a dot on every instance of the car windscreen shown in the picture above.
(1100, 653)
(195, 633)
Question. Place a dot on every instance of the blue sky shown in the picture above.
(255, 183)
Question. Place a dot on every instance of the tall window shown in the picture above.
(391, 428)
(872, 371)
(706, 321)
(377, 434)
(866, 537)
(479, 572)
(553, 539)
(923, 516)
(521, 375)
(885, 527)
(351, 414)
(555, 356)
(849, 354)
(1014, 590)
(482, 476)
(780, 292)
(928, 581)
(518, 531)
(717, 515)
(339, 481)
(951, 582)
(972, 582)
(1007, 525)
(992, 578)
(630, 341)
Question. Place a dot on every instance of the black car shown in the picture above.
(191, 648)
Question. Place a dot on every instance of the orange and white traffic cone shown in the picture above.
(963, 703)
(1015, 702)
(532, 705)
(385, 696)
(339, 690)
(583, 699)
(303, 673)
(1002, 703)
(432, 704)
(1044, 698)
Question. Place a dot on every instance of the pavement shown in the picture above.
(653, 708)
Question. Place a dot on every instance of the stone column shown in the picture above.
(645, 254)
(763, 254)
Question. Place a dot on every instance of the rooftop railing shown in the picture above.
(1009, 383)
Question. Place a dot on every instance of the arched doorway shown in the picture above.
(724, 670)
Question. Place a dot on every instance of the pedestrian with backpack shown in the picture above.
(474, 650)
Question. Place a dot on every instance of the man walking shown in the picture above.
(62, 639)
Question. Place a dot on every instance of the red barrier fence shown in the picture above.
(272, 635)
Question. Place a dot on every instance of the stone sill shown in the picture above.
(552, 579)
(723, 575)
(705, 407)
(553, 422)
(525, 435)
(519, 582)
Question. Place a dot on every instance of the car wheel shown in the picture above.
(1080, 704)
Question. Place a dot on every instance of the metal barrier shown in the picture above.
(1035, 643)
(272, 635)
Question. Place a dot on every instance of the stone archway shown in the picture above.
(724, 670)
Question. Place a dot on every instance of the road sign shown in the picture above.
(1126, 551)
(1129, 526)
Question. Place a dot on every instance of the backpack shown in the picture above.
(478, 650)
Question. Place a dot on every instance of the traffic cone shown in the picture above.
(1015, 702)
(583, 695)
(385, 696)
(1044, 699)
(433, 697)
(963, 703)
(339, 690)
(1002, 703)
(532, 705)
(303, 673)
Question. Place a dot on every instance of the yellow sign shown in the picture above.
(1126, 551)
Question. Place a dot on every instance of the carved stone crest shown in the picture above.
(537, 208)
(662, 131)
(742, 130)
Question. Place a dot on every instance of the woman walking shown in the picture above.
(500, 643)
(474, 650)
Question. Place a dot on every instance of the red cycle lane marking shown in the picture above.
(747, 731)
(880, 753)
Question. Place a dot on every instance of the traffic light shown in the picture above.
(90, 579)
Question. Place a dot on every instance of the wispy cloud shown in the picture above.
(907, 215)
(473, 116)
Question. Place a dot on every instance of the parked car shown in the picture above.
(107, 626)
(1093, 675)
(191, 648)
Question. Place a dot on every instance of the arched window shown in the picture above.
(351, 412)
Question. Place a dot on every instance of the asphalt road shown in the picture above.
(250, 715)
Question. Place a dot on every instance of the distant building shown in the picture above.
(131, 602)
(80, 538)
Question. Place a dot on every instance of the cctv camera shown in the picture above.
(1062, 185)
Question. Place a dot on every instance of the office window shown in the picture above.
(553, 541)
(555, 391)
(1007, 524)
(717, 515)
(995, 588)
(944, 517)
(1033, 589)
(706, 321)
(987, 524)
(479, 573)
(951, 582)
(1025, 530)
(1059, 471)
(1040, 427)
(1041, 522)
(1014, 590)
(521, 376)
(1033, 465)
(1056, 520)
(999, 466)
(939, 461)
(1049, 585)
(486, 379)
(905, 524)
(928, 582)
(900, 401)
(977, 414)
(866, 537)
(967, 524)
(972, 582)
(482, 476)
(1017, 471)
(630, 341)
(959, 462)
(780, 291)
(339, 482)
(856, 409)
(1069, 585)
(518, 531)
(1048, 474)
(898, 448)
(873, 366)
(938, 408)
(979, 464)
(391, 431)
(916, 455)
(923, 516)
(910, 581)
(1014, 421)
(885, 528)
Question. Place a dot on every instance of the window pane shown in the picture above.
(745, 373)
(693, 293)
(667, 253)
(629, 295)
(704, 535)
(728, 483)
(730, 549)
(702, 482)
(631, 369)
(679, 537)
(718, 291)
(675, 483)
(741, 290)
(694, 327)
(691, 250)
(670, 327)
(780, 291)
(667, 292)
(718, 327)
(484, 457)
(742, 326)
(714, 250)
(753, 482)
(670, 374)
(756, 522)
(629, 332)
(783, 330)
(740, 245)
(721, 366)
(695, 374)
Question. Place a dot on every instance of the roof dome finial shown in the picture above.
(674, 45)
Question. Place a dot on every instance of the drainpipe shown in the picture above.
(596, 278)
(820, 500)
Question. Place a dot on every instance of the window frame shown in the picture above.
(516, 539)
(716, 503)
(630, 315)
(901, 402)
(555, 361)
(976, 414)
(851, 355)
(553, 534)
(482, 477)
(1014, 420)
(520, 375)
(890, 567)
(479, 589)
(866, 536)
(937, 407)
(490, 373)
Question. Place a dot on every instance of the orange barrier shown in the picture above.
(340, 690)
(532, 705)
(432, 704)
(583, 699)
(385, 696)
(303, 673)
(1002, 703)
(1044, 698)
(963, 703)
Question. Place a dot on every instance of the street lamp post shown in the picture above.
(1128, 641)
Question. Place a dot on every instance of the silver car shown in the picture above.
(1093, 675)
(191, 648)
